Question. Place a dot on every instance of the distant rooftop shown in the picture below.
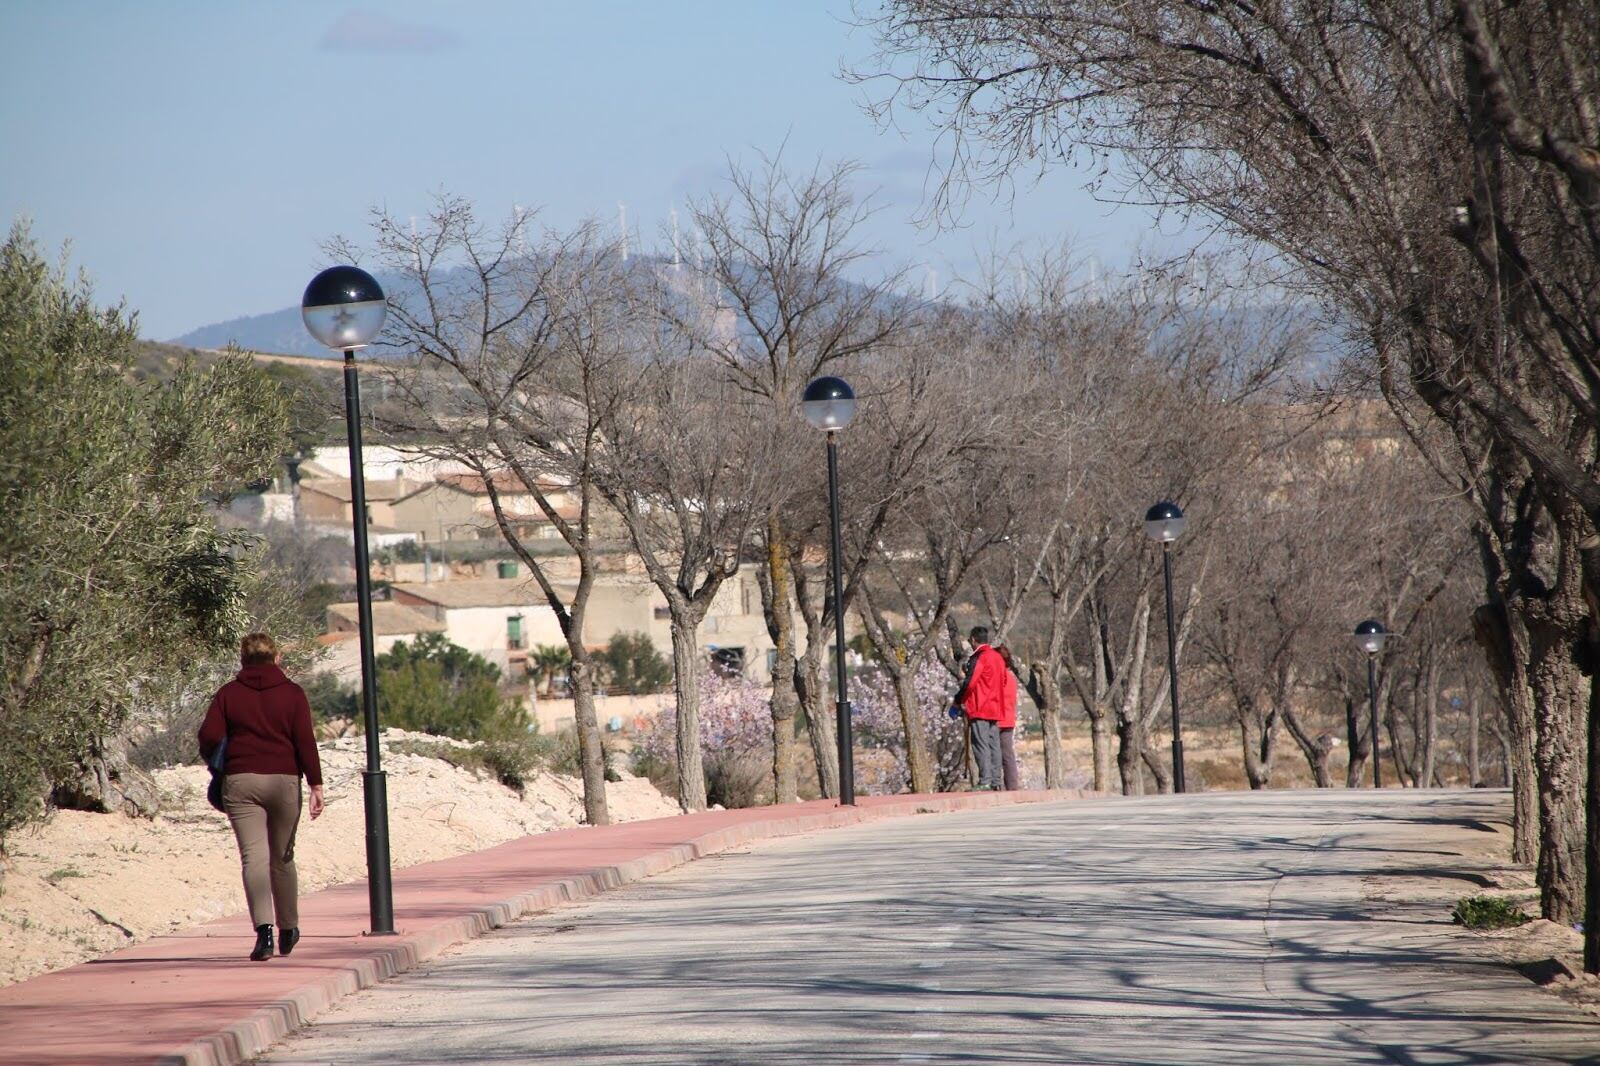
(339, 488)
(477, 592)
(388, 619)
(504, 483)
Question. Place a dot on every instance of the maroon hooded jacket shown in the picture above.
(267, 722)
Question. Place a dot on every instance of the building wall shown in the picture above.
(343, 659)
(439, 513)
(319, 507)
(484, 630)
(383, 462)
(734, 620)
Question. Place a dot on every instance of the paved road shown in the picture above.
(1211, 929)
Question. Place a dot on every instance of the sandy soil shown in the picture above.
(1478, 863)
(85, 884)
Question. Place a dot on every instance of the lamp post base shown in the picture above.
(847, 760)
(380, 895)
(1178, 785)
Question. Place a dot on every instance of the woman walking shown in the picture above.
(1008, 723)
(266, 722)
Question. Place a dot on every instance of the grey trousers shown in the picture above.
(986, 750)
(265, 811)
(1008, 759)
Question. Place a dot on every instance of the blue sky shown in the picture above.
(196, 154)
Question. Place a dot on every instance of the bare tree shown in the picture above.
(513, 369)
(781, 303)
(684, 463)
(1432, 177)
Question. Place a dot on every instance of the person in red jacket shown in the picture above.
(982, 697)
(1008, 723)
(266, 721)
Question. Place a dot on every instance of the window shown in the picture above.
(728, 661)
(514, 632)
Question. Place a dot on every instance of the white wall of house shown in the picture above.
(383, 462)
(484, 630)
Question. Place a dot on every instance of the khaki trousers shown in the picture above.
(265, 811)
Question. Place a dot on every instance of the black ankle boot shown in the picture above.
(263, 950)
(287, 939)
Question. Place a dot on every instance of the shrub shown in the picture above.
(632, 664)
(331, 698)
(737, 779)
(735, 742)
(1488, 912)
(512, 760)
(876, 718)
(434, 686)
(509, 760)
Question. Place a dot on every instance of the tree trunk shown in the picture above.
(1591, 913)
(1359, 740)
(1474, 752)
(1158, 770)
(1316, 753)
(1430, 721)
(591, 753)
(1404, 768)
(1259, 741)
(1100, 744)
(785, 699)
(1560, 701)
(1505, 647)
(812, 687)
(918, 765)
(1130, 748)
(1047, 697)
(108, 784)
(686, 682)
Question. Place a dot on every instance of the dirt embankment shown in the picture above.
(82, 884)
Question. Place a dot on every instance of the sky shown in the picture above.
(197, 154)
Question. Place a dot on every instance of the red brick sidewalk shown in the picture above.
(193, 997)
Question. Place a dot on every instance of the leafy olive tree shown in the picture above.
(115, 582)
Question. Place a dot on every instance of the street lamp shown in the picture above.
(344, 309)
(829, 405)
(1164, 523)
(1370, 637)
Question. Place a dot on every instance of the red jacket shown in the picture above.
(1008, 701)
(267, 722)
(984, 695)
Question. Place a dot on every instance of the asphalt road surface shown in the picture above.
(1216, 928)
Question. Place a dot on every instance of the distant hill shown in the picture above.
(276, 331)
(283, 331)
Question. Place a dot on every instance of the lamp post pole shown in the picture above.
(374, 782)
(1370, 638)
(344, 309)
(847, 771)
(1172, 672)
(829, 404)
(1164, 523)
(1372, 720)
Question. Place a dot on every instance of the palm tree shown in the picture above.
(550, 659)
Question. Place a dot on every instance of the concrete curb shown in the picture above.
(254, 1034)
